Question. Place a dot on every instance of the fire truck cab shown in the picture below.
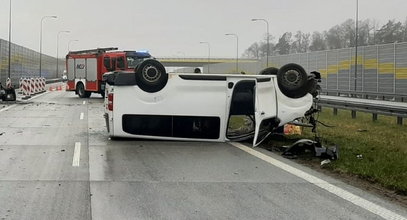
(85, 68)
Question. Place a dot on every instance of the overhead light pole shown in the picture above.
(58, 50)
(209, 52)
(356, 43)
(69, 44)
(237, 50)
(42, 19)
(9, 43)
(268, 36)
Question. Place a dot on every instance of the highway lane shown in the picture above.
(37, 179)
(141, 179)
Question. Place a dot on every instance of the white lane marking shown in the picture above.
(81, 117)
(84, 102)
(76, 154)
(7, 108)
(357, 200)
(36, 96)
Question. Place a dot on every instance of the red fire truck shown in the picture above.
(85, 68)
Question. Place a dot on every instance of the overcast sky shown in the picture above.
(175, 28)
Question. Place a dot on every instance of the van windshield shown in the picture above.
(133, 61)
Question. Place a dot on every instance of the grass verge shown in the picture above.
(382, 145)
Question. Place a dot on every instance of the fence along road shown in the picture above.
(380, 69)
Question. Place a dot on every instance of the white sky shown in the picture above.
(175, 28)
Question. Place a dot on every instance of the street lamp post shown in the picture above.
(58, 49)
(9, 43)
(268, 36)
(209, 52)
(356, 43)
(42, 19)
(237, 50)
(69, 44)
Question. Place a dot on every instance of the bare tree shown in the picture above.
(317, 42)
(284, 43)
(301, 42)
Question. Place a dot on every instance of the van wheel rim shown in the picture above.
(151, 73)
(292, 78)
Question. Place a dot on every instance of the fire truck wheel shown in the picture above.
(80, 90)
(269, 71)
(151, 76)
(293, 80)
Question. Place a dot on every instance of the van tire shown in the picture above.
(151, 76)
(293, 80)
(269, 71)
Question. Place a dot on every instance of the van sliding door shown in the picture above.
(265, 109)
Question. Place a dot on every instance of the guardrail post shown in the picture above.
(399, 120)
(374, 115)
(335, 111)
(353, 112)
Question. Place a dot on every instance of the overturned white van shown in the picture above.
(150, 103)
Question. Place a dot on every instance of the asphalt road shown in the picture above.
(56, 162)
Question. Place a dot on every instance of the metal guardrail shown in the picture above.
(376, 107)
(367, 95)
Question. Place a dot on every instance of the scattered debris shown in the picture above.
(327, 161)
(306, 145)
(359, 156)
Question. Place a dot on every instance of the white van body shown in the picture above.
(197, 107)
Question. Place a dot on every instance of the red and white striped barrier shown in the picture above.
(8, 83)
(36, 86)
(43, 84)
(32, 86)
(20, 82)
(26, 88)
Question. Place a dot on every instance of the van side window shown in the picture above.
(172, 126)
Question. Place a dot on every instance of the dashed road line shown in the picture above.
(76, 154)
(357, 200)
(81, 117)
(84, 102)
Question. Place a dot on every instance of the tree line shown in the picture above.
(338, 36)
